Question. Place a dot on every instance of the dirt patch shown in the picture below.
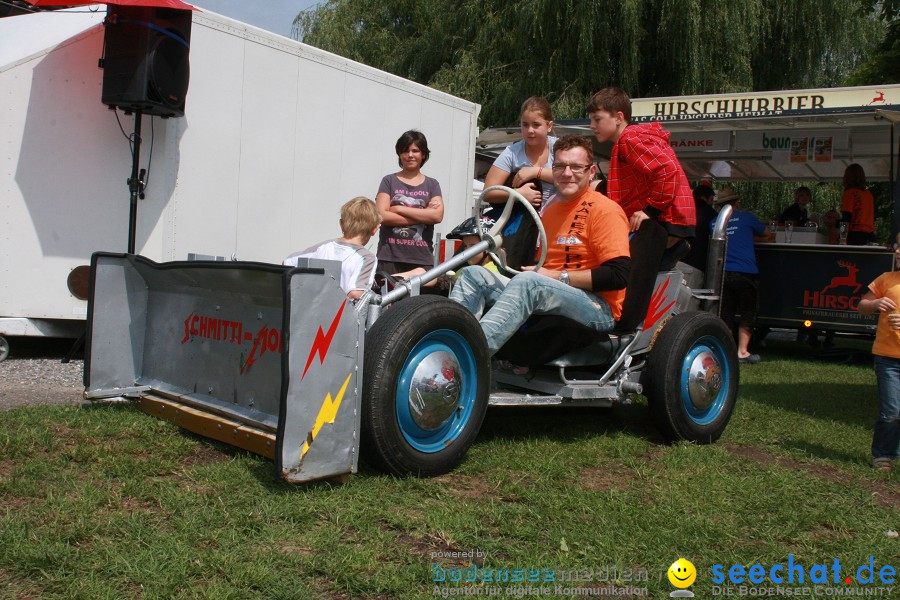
(14, 587)
(434, 548)
(474, 488)
(7, 467)
(884, 494)
(604, 478)
(20, 503)
(204, 455)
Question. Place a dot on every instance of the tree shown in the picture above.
(498, 53)
(883, 65)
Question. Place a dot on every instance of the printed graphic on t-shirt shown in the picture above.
(573, 245)
(409, 235)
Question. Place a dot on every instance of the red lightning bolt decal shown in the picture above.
(656, 309)
(323, 341)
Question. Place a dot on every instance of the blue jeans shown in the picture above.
(886, 441)
(512, 301)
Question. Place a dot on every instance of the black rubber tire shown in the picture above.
(4, 349)
(389, 343)
(665, 378)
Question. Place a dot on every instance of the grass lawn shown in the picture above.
(106, 502)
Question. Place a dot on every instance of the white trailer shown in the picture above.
(276, 136)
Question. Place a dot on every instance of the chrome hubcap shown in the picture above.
(704, 380)
(434, 390)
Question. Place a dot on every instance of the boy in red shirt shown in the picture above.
(645, 177)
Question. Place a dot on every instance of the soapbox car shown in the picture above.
(278, 361)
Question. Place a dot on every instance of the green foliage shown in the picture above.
(498, 53)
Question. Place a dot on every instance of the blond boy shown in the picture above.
(359, 222)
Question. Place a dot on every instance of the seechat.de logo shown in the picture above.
(828, 578)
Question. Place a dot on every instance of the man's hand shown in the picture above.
(542, 271)
(635, 220)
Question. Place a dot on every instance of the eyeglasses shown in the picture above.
(576, 169)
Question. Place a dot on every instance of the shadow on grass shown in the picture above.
(854, 404)
(854, 350)
(568, 424)
(820, 451)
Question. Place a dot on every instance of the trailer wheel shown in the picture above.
(426, 385)
(692, 378)
(4, 348)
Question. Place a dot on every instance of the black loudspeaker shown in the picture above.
(145, 59)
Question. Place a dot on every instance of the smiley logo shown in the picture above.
(682, 573)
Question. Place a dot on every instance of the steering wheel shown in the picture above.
(495, 232)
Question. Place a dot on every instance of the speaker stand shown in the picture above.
(136, 181)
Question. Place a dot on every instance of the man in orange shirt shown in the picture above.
(587, 264)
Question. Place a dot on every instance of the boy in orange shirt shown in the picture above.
(884, 296)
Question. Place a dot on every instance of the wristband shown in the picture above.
(540, 170)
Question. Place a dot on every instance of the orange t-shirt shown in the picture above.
(583, 234)
(861, 205)
(887, 340)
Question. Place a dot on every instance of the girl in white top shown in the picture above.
(531, 158)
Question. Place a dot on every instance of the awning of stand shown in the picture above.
(796, 135)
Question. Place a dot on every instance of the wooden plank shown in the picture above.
(209, 425)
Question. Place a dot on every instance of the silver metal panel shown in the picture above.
(319, 432)
(215, 332)
(117, 327)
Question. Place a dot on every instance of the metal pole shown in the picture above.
(715, 261)
(135, 185)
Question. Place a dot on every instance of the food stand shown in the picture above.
(817, 286)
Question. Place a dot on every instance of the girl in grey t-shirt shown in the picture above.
(410, 204)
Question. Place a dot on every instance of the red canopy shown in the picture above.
(154, 3)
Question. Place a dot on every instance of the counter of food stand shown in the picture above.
(817, 286)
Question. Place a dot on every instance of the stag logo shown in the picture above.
(848, 280)
(879, 99)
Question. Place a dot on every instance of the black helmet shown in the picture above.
(468, 227)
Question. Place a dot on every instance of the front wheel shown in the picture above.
(426, 384)
(692, 378)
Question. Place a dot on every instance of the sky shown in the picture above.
(276, 16)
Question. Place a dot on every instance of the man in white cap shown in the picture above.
(740, 290)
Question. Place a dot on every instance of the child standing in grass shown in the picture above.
(884, 296)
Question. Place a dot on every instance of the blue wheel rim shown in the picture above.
(705, 346)
(437, 438)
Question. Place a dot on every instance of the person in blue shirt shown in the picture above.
(740, 289)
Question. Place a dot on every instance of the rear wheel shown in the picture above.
(692, 378)
(4, 349)
(427, 376)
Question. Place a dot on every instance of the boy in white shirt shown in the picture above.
(360, 220)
